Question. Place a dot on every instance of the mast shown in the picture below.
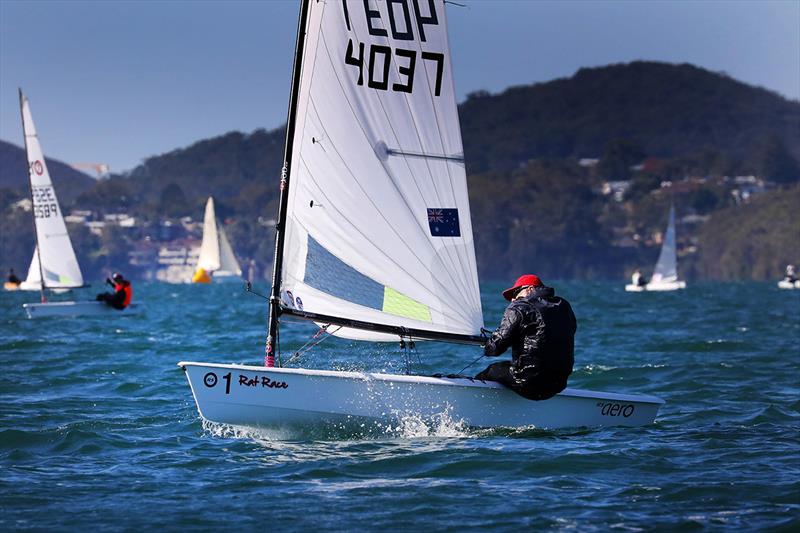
(33, 201)
(280, 230)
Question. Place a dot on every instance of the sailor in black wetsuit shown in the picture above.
(540, 329)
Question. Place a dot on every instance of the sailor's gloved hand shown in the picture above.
(108, 281)
(489, 350)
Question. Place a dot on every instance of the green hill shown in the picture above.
(667, 110)
(753, 241)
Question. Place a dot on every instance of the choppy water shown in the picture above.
(98, 427)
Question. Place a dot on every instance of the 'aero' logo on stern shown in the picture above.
(616, 409)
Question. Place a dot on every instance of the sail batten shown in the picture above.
(391, 225)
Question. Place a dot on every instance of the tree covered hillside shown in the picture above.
(14, 174)
(571, 178)
(667, 110)
(754, 241)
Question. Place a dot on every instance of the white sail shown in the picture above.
(209, 249)
(216, 254)
(228, 265)
(666, 269)
(58, 262)
(378, 222)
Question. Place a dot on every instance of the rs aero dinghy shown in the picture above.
(54, 266)
(374, 237)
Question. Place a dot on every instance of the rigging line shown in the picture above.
(248, 287)
(472, 363)
(453, 313)
(405, 200)
(461, 289)
(311, 344)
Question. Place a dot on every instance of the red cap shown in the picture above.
(522, 281)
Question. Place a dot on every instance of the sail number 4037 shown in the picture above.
(400, 17)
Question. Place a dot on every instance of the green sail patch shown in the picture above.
(397, 304)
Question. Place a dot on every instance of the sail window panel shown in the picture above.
(328, 273)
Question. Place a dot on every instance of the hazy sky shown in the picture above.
(117, 81)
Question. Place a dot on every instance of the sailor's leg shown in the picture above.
(499, 372)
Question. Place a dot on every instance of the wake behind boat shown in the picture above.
(374, 236)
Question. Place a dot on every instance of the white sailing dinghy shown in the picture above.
(790, 280)
(216, 260)
(374, 237)
(665, 274)
(54, 266)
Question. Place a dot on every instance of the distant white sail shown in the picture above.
(209, 249)
(378, 220)
(228, 265)
(216, 254)
(666, 269)
(58, 262)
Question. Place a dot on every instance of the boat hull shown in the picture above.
(657, 287)
(54, 309)
(282, 398)
(786, 284)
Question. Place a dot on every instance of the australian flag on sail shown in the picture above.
(444, 222)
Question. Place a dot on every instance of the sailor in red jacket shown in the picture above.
(123, 293)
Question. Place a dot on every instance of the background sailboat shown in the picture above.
(54, 265)
(665, 273)
(53, 258)
(216, 255)
(374, 236)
